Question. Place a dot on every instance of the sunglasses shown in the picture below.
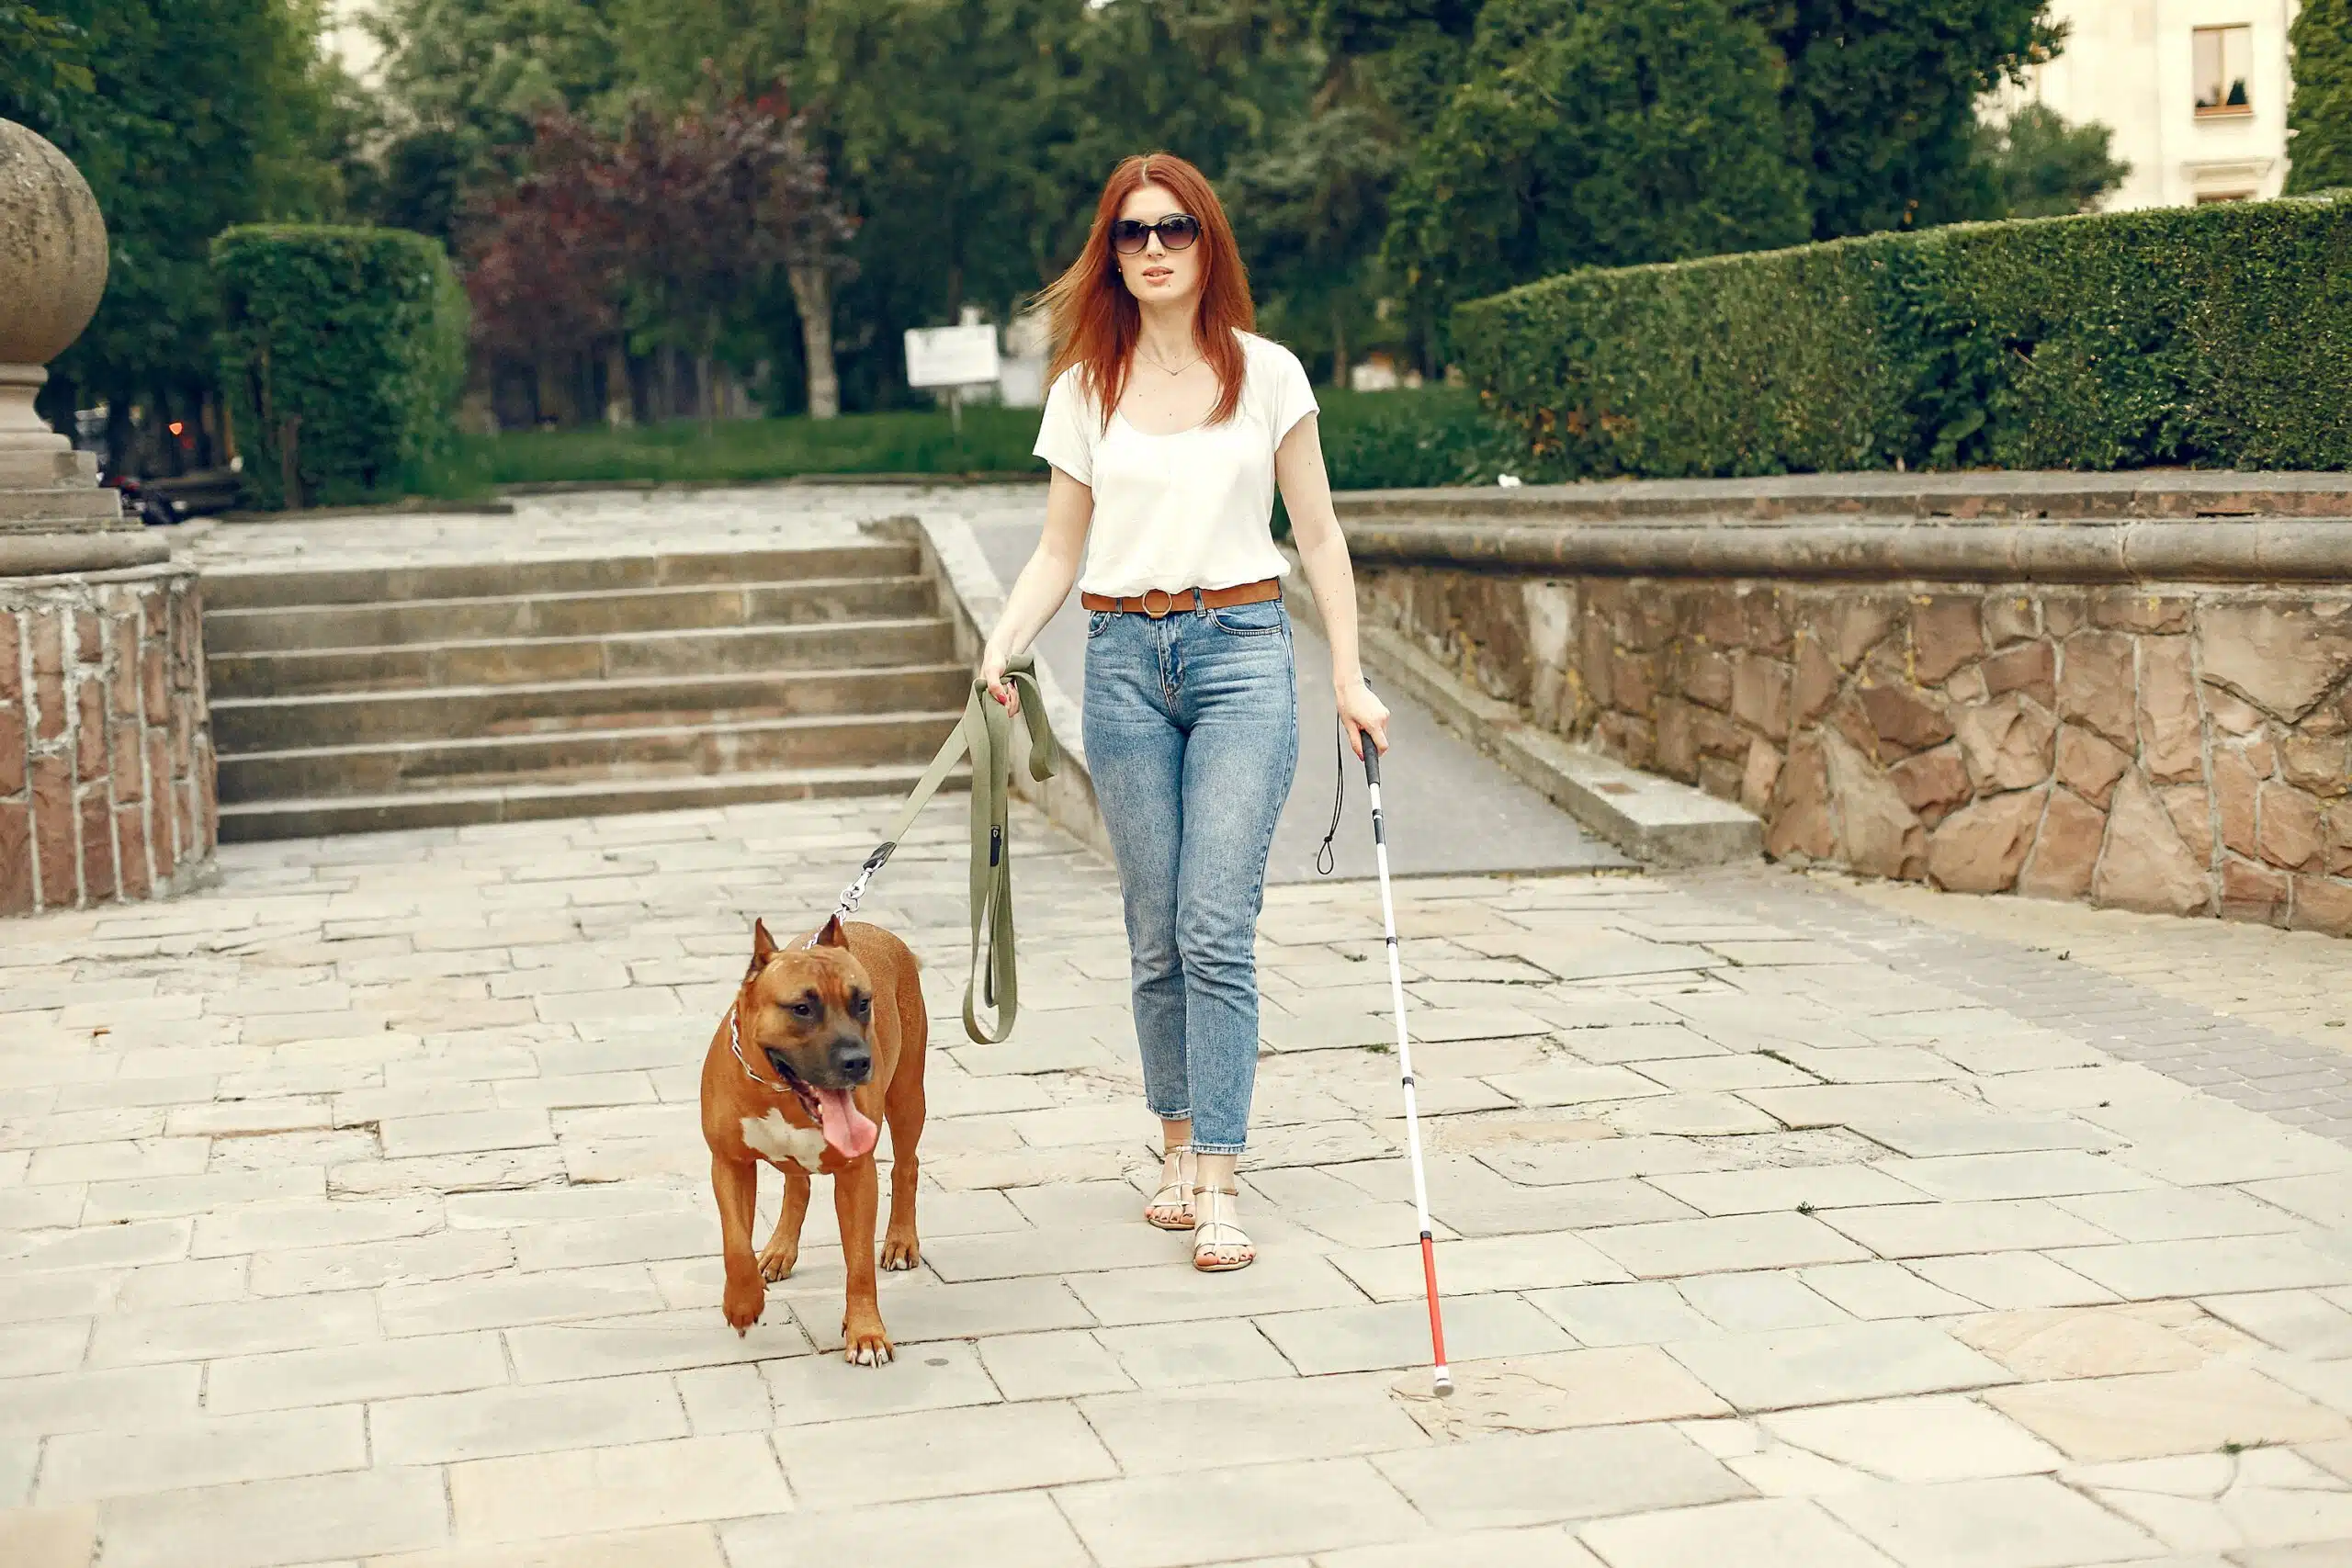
(1176, 231)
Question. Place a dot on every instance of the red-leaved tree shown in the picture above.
(543, 259)
(669, 227)
(720, 199)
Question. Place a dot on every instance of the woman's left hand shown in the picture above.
(1364, 713)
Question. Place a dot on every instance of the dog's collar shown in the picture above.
(735, 1043)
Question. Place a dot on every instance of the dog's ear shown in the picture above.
(832, 935)
(762, 949)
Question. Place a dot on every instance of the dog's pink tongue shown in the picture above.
(847, 1130)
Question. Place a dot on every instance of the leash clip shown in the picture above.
(855, 893)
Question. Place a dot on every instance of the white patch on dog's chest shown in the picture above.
(780, 1139)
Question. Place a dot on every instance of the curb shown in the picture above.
(911, 480)
(412, 507)
(1655, 820)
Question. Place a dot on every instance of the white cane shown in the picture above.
(1440, 1377)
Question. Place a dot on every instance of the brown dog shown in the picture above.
(821, 1041)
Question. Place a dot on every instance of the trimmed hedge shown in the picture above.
(343, 359)
(1409, 438)
(2211, 336)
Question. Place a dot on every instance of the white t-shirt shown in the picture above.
(1191, 510)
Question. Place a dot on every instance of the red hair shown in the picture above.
(1096, 322)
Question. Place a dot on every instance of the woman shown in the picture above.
(1166, 426)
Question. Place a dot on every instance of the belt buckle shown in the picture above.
(1167, 602)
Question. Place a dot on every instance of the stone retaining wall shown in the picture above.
(105, 751)
(2165, 747)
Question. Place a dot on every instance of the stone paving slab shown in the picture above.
(2260, 1018)
(353, 1211)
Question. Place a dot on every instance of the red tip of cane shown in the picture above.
(1437, 1324)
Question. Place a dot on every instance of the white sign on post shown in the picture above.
(951, 357)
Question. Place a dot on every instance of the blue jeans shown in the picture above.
(1192, 733)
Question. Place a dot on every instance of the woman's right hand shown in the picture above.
(991, 674)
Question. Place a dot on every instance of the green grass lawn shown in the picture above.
(1371, 440)
(994, 441)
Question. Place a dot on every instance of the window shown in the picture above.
(2222, 57)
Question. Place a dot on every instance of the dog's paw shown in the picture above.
(775, 1266)
(899, 1254)
(744, 1306)
(867, 1347)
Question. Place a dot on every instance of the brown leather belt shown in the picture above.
(1158, 603)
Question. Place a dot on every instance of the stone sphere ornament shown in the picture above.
(52, 249)
(52, 274)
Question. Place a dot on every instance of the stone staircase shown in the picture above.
(355, 699)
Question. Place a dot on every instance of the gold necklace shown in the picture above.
(1153, 361)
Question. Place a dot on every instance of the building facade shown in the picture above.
(2195, 91)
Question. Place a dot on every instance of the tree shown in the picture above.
(666, 226)
(1310, 214)
(1879, 99)
(715, 202)
(2319, 118)
(1312, 205)
(201, 116)
(1406, 55)
(969, 138)
(2042, 167)
(43, 65)
(1596, 132)
(542, 260)
(927, 130)
(464, 85)
(939, 119)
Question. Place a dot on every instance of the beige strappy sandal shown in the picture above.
(1170, 1208)
(1218, 1244)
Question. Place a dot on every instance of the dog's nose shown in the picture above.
(853, 1059)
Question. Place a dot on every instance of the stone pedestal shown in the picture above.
(105, 751)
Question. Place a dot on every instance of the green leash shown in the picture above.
(985, 732)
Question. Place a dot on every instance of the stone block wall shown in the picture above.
(2178, 748)
(106, 749)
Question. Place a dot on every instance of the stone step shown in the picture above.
(241, 725)
(498, 661)
(380, 584)
(457, 807)
(25, 471)
(59, 504)
(645, 753)
(564, 614)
